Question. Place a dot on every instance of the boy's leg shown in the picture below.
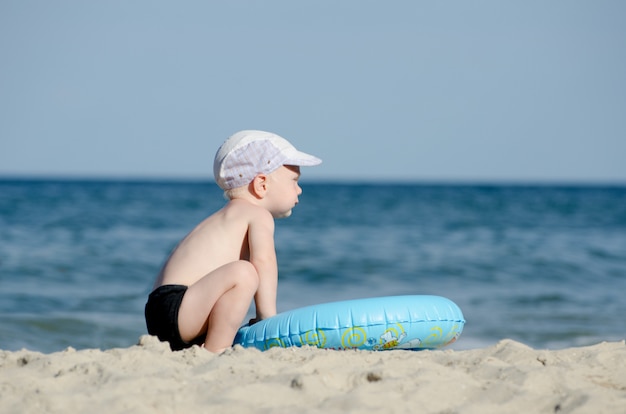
(217, 304)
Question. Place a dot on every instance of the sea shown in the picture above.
(544, 265)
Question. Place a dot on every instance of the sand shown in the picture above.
(507, 377)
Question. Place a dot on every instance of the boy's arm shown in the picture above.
(263, 258)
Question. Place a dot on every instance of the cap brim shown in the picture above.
(301, 159)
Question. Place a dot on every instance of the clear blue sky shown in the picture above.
(404, 90)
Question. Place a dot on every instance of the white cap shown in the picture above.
(248, 153)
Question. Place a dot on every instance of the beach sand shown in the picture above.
(507, 377)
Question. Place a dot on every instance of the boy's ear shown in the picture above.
(259, 185)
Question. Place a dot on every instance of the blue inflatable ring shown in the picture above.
(384, 323)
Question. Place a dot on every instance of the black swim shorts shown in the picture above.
(162, 316)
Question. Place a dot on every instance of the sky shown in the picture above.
(499, 91)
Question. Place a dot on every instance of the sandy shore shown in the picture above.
(508, 377)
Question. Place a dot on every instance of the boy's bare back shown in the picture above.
(219, 239)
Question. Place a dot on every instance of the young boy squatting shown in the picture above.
(204, 290)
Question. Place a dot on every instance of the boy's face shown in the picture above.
(283, 192)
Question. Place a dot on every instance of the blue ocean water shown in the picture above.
(544, 265)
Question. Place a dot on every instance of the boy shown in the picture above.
(205, 288)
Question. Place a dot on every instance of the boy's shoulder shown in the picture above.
(243, 209)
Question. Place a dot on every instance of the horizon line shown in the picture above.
(8, 177)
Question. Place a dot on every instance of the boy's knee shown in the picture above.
(247, 274)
